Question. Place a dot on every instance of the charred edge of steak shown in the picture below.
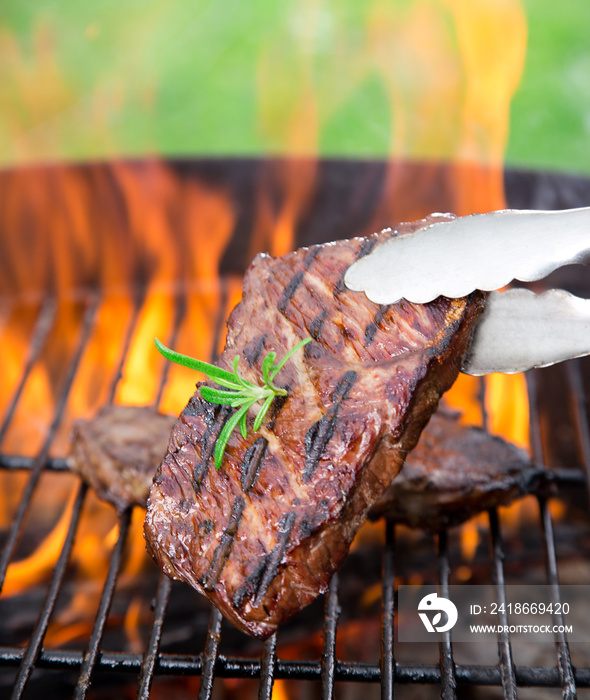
(224, 547)
(319, 434)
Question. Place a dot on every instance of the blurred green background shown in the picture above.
(82, 81)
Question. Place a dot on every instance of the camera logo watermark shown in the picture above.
(433, 602)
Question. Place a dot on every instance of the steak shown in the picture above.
(117, 451)
(262, 536)
(455, 472)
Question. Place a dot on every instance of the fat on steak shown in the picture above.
(455, 472)
(117, 451)
(262, 536)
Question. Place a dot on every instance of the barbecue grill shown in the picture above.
(346, 195)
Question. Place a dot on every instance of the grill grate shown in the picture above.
(211, 664)
(90, 666)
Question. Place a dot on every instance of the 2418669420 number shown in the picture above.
(529, 608)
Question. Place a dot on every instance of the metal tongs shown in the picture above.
(519, 329)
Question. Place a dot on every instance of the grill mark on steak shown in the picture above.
(275, 409)
(370, 331)
(256, 585)
(290, 289)
(319, 434)
(221, 554)
(252, 350)
(274, 558)
(315, 329)
(215, 417)
(252, 463)
(312, 254)
(372, 328)
(250, 585)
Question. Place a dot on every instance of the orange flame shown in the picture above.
(449, 69)
(27, 572)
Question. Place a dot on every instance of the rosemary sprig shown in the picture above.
(237, 392)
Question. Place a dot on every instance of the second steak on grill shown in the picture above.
(262, 536)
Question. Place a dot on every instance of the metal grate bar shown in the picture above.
(564, 662)
(148, 662)
(580, 416)
(267, 668)
(504, 648)
(16, 463)
(447, 664)
(17, 522)
(563, 653)
(210, 655)
(231, 667)
(93, 650)
(40, 332)
(387, 614)
(331, 613)
(507, 672)
(31, 653)
(568, 476)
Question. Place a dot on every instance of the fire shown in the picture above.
(147, 245)
(158, 251)
(492, 43)
(29, 571)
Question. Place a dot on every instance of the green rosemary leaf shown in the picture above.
(216, 373)
(238, 379)
(260, 417)
(267, 365)
(277, 368)
(239, 400)
(242, 425)
(241, 393)
(227, 430)
(217, 396)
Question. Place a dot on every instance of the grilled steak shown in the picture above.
(454, 472)
(262, 536)
(117, 451)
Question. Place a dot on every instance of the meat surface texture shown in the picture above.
(455, 472)
(117, 452)
(262, 536)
